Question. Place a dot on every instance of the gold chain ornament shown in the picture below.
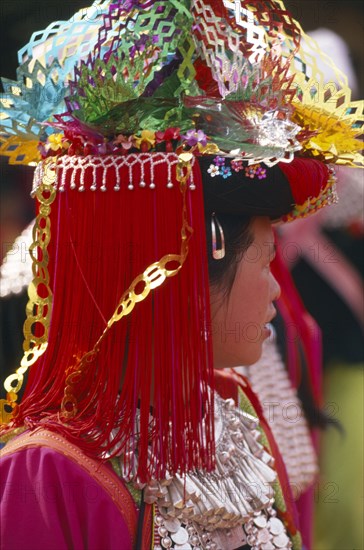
(38, 308)
(153, 277)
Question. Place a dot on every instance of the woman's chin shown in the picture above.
(246, 359)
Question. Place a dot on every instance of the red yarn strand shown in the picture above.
(97, 249)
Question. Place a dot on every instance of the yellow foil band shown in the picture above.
(38, 309)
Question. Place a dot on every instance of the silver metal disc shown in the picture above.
(181, 536)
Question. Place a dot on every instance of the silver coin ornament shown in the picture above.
(281, 540)
(180, 537)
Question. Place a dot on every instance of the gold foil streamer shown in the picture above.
(153, 277)
(326, 108)
(337, 140)
(39, 306)
(19, 152)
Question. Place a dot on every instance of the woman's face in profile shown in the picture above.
(239, 320)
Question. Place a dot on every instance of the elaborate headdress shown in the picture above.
(164, 94)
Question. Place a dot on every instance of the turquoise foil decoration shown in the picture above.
(47, 64)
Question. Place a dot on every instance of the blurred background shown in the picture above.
(338, 493)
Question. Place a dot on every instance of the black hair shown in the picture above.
(238, 237)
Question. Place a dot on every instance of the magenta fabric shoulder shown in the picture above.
(49, 502)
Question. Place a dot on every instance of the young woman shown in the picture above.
(151, 269)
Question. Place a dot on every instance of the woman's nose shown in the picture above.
(276, 289)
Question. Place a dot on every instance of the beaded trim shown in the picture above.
(82, 168)
(327, 197)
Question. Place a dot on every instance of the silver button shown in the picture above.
(172, 525)
(180, 537)
(260, 521)
(276, 526)
(281, 540)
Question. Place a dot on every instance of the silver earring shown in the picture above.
(217, 253)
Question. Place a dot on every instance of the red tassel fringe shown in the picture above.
(158, 360)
